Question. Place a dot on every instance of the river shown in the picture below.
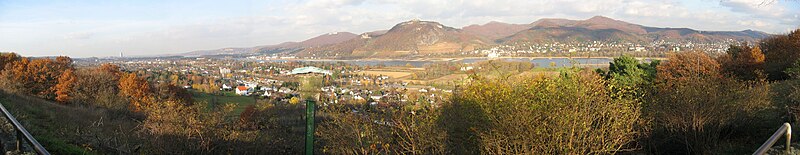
(538, 62)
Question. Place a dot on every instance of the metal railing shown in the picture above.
(22, 134)
(785, 130)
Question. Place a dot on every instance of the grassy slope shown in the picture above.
(241, 102)
(71, 129)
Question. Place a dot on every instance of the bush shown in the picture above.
(780, 52)
(694, 108)
(573, 114)
(385, 132)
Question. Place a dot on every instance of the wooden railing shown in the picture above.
(22, 134)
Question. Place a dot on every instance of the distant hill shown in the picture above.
(325, 39)
(417, 38)
(404, 39)
(601, 28)
(341, 50)
(495, 30)
(572, 34)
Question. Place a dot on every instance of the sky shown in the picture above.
(102, 28)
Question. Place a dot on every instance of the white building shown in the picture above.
(224, 71)
(242, 90)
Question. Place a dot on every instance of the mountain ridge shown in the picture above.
(416, 37)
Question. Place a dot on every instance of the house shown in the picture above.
(285, 90)
(225, 87)
(251, 85)
(376, 97)
(241, 90)
(309, 70)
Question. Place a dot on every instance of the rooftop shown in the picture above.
(309, 69)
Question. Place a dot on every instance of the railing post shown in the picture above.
(788, 137)
(19, 139)
(310, 109)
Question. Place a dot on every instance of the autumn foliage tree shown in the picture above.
(35, 76)
(686, 66)
(743, 62)
(694, 107)
(168, 91)
(7, 58)
(780, 51)
(136, 89)
(64, 86)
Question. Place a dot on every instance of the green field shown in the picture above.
(241, 102)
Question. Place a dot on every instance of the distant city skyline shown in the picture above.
(113, 28)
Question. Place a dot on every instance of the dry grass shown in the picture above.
(391, 74)
(451, 77)
(74, 129)
(440, 48)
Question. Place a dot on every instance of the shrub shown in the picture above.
(573, 114)
(694, 108)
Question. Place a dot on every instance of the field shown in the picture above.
(391, 74)
(241, 102)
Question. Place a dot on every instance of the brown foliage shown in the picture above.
(780, 52)
(36, 76)
(743, 62)
(111, 68)
(697, 107)
(7, 58)
(573, 114)
(15, 77)
(97, 87)
(686, 66)
(136, 89)
(64, 86)
(170, 92)
(386, 132)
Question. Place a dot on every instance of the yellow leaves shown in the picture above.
(65, 83)
(136, 89)
(547, 115)
(294, 100)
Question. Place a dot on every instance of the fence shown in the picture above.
(786, 130)
(22, 134)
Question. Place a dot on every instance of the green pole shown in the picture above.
(309, 127)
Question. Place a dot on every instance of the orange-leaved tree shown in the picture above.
(744, 62)
(7, 58)
(136, 89)
(686, 66)
(64, 86)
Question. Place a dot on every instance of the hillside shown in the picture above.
(572, 34)
(72, 129)
(341, 50)
(417, 38)
(325, 39)
(495, 30)
(404, 39)
(601, 28)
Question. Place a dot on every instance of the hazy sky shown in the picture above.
(144, 27)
